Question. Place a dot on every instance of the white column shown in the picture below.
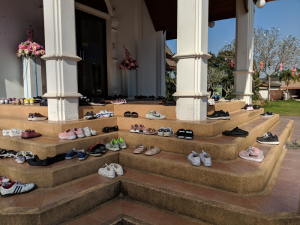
(160, 63)
(116, 84)
(61, 60)
(244, 51)
(192, 47)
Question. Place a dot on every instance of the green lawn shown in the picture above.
(284, 108)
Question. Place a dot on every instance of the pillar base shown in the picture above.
(191, 108)
(63, 109)
(246, 97)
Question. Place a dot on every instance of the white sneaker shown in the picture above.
(4, 180)
(168, 132)
(6, 132)
(15, 133)
(89, 132)
(29, 155)
(103, 113)
(211, 101)
(117, 168)
(107, 171)
(205, 158)
(156, 116)
(161, 131)
(19, 157)
(15, 188)
(1, 101)
(148, 114)
(194, 158)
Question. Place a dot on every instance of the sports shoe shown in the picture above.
(148, 114)
(168, 132)
(211, 101)
(219, 115)
(89, 132)
(180, 134)
(7, 153)
(6, 101)
(133, 128)
(267, 114)
(117, 168)
(97, 150)
(122, 143)
(119, 102)
(245, 107)
(107, 171)
(139, 129)
(205, 158)
(37, 117)
(249, 108)
(194, 158)
(98, 101)
(31, 101)
(79, 132)
(29, 155)
(15, 188)
(19, 157)
(27, 134)
(256, 107)
(1, 101)
(4, 180)
(252, 154)
(113, 145)
(268, 138)
(15, 133)
(90, 115)
(156, 116)
(26, 101)
(81, 155)
(71, 154)
(161, 131)
(189, 134)
(236, 132)
(104, 113)
(6, 132)
(69, 135)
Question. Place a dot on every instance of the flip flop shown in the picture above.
(127, 114)
(152, 151)
(134, 115)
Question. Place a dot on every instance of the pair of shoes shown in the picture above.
(150, 131)
(219, 115)
(236, 132)
(9, 189)
(74, 153)
(119, 102)
(140, 129)
(105, 113)
(187, 134)
(7, 153)
(256, 107)
(77, 133)
(211, 101)
(27, 134)
(90, 115)
(16, 101)
(21, 156)
(196, 158)
(36, 117)
(97, 150)
(252, 154)
(116, 145)
(98, 101)
(111, 170)
(12, 133)
(268, 138)
(267, 114)
(247, 107)
(165, 132)
(154, 115)
(84, 100)
(141, 148)
(28, 101)
(107, 129)
(37, 99)
(131, 114)
(46, 162)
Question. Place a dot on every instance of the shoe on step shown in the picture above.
(107, 171)
(194, 158)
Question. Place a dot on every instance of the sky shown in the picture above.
(283, 14)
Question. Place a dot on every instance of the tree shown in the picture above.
(170, 83)
(286, 76)
(214, 78)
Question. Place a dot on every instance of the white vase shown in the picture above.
(32, 77)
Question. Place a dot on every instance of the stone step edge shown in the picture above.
(250, 182)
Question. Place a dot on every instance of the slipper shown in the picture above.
(152, 151)
(150, 131)
(139, 149)
(134, 115)
(127, 114)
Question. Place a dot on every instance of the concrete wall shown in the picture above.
(264, 94)
(15, 18)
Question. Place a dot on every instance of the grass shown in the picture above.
(283, 108)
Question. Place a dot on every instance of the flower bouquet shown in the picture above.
(129, 63)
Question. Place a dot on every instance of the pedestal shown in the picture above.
(32, 77)
(128, 85)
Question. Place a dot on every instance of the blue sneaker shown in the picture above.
(267, 114)
(81, 155)
(71, 154)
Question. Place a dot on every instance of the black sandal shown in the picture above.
(127, 114)
(134, 115)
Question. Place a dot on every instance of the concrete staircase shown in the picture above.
(232, 191)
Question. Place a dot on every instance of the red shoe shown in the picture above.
(30, 134)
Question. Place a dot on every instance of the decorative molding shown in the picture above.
(191, 94)
(114, 30)
(62, 95)
(186, 55)
(115, 22)
(243, 94)
(92, 11)
(110, 8)
(242, 72)
(61, 56)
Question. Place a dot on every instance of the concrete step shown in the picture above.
(239, 176)
(52, 129)
(205, 128)
(57, 173)
(219, 147)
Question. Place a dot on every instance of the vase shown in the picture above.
(128, 84)
(32, 77)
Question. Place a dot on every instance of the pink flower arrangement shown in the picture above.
(129, 63)
(30, 48)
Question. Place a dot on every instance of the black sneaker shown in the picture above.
(245, 107)
(107, 129)
(242, 131)
(7, 153)
(256, 107)
(98, 101)
(268, 138)
(235, 133)
(97, 150)
(267, 114)
(46, 162)
(90, 115)
(189, 134)
(180, 133)
(224, 115)
(84, 101)
(215, 116)
(44, 102)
